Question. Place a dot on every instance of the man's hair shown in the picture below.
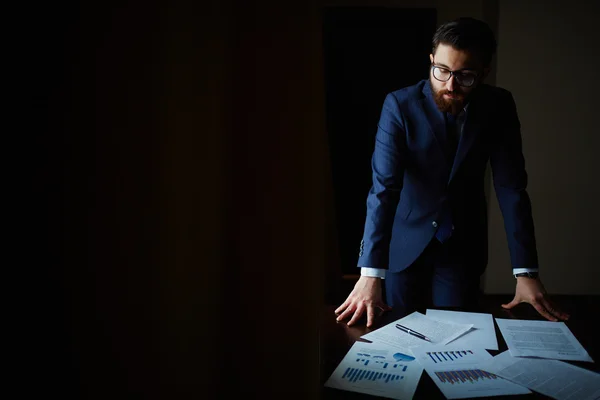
(467, 34)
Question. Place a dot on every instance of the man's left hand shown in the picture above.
(530, 290)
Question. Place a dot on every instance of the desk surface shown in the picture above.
(337, 338)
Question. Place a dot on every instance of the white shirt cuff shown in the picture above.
(520, 270)
(373, 272)
(380, 273)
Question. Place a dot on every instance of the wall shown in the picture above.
(547, 58)
(181, 199)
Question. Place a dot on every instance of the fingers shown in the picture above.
(540, 306)
(349, 310)
(357, 314)
(370, 315)
(564, 316)
(553, 310)
(342, 307)
(542, 310)
(510, 305)
(365, 296)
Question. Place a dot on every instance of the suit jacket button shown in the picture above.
(434, 224)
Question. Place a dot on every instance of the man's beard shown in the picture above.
(453, 106)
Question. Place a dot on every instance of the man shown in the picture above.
(425, 233)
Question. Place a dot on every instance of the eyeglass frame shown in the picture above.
(454, 74)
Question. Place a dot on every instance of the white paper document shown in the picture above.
(445, 357)
(439, 332)
(553, 378)
(545, 339)
(377, 369)
(457, 372)
(482, 334)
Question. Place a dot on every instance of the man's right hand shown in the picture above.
(366, 296)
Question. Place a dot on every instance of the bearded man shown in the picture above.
(425, 234)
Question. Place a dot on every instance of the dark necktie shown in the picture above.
(445, 226)
(451, 134)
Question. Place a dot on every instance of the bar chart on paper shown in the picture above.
(464, 376)
(375, 369)
(458, 374)
(442, 358)
(473, 382)
(448, 357)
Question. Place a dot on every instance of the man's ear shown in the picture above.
(431, 58)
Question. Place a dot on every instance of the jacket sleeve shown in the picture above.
(510, 183)
(387, 164)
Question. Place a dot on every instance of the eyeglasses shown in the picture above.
(463, 77)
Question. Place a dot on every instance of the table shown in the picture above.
(336, 338)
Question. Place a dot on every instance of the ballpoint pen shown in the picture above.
(411, 332)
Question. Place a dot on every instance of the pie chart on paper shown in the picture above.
(403, 357)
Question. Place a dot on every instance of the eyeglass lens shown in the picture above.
(462, 78)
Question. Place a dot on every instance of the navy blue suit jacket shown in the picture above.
(413, 178)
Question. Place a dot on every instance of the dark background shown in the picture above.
(368, 52)
(175, 219)
(189, 206)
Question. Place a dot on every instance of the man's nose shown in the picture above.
(450, 84)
